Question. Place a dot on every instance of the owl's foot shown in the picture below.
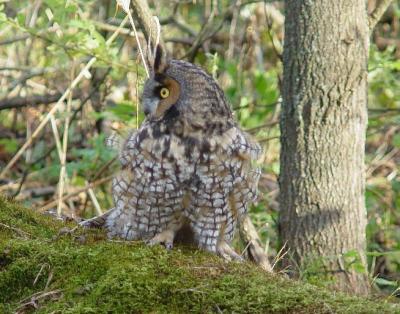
(165, 237)
(226, 252)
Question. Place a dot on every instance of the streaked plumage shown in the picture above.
(188, 164)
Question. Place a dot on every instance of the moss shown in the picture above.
(84, 273)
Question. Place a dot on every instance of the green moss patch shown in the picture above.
(43, 271)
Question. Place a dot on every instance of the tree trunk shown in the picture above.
(323, 123)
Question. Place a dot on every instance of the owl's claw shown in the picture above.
(169, 245)
(165, 237)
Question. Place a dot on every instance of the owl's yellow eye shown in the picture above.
(164, 92)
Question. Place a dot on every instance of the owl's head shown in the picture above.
(182, 89)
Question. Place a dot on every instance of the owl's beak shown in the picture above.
(150, 105)
(146, 112)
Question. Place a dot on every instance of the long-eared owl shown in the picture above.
(188, 165)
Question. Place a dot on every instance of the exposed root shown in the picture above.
(229, 254)
(254, 249)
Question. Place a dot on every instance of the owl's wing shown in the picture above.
(146, 191)
(244, 152)
(240, 144)
(225, 182)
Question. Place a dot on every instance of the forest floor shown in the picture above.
(45, 269)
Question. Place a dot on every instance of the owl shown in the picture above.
(189, 165)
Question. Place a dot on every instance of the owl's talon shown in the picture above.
(169, 245)
(165, 237)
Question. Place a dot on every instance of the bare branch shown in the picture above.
(67, 196)
(35, 192)
(75, 82)
(249, 234)
(19, 102)
(142, 13)
(376, 15)
(13, 40)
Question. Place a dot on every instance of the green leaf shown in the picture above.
(396, 140)
(387, 253)
(79, 181)
(385, 282)
(10, 145)
(358, 268)
(351, 254)
(21, 18)
(82, 24)
(3, 17)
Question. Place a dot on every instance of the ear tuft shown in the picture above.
(160, 60)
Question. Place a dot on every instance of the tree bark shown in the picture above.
(323, 123)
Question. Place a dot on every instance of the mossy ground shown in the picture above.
(88, 274)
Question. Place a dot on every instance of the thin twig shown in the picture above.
(13, 40)
(31, 193)
(19, 102)
(103, 168)
(67, 196)
(174, 20)
(56, 136)
(281, 254)
(55, 107)
(232, 30)
(94, 201)
(33, 300)
(63, 159)
(138, 43)
(262, 126)
(44, 265)
(19, 182)
(113, 28)
(47, 118)
(277, 52)
(19, 231)
(267, 139)
(137, 98)
(125, 7)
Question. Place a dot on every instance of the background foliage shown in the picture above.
(45, 43)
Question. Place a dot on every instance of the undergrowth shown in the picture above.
(44, 266)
